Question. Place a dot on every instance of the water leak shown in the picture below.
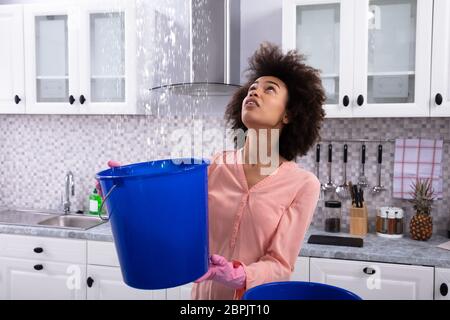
(165, 56)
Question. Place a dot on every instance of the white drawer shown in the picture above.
(102, 253)
(40, 248)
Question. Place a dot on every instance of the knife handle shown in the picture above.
(345, 153)
(318, 153)
(380, 153)
(330, 151)
(363, 154)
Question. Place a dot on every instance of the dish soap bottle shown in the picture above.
(95, 202)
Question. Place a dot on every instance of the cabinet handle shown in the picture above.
(438, 99)
(443, 289)
(38, 267)
(369, 270)
(17, 99)
(82, 99)
(90, 282)
(71, 99)
(346, 101)
(360, 100)
(38, 250)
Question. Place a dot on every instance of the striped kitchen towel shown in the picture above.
(417, 159)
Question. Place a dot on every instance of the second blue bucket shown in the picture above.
(298, 290)
(159, 219)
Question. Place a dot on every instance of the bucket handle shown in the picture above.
(106, 218)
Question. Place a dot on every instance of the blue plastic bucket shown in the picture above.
(298, 290)
(159, 219)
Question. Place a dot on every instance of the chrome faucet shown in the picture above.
(70, 191)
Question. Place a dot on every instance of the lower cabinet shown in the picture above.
(375, 281)
(301, 270)
(22, 279)
(441, 284)
(104, 278)
(106, 283)
(54, 269)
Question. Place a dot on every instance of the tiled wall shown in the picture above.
(37, 150)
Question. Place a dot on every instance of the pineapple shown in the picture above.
(421, 225)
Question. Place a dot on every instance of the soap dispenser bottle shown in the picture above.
(95, 202)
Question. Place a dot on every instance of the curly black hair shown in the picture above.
(306, 97)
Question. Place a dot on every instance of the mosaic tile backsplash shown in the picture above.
(36, 151)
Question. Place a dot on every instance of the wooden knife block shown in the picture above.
(358, 221)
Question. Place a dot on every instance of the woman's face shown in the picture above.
(264, 107)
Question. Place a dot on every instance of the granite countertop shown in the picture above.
(376, 249)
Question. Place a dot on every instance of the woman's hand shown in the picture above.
(224, 272)
(111, 164)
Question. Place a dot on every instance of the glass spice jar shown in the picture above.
(333, 214)
(391, 223)
(399, 221)
(382, 219)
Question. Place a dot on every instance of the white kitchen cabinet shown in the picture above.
(106, 283)
(440, 75)
(42, 268)
(375, 281)
(374, 55)
(323, 32)
(441, 284)
(104, 277)
(12, 88)
(301, 271)
(108, 57)
(22, 279)
(80, 57)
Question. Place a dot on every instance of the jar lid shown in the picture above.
(391, 215)
(332, 204)
(399, 214)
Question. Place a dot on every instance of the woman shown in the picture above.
(259, 213)
(257, 222)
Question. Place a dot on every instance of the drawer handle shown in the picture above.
(38, 250)
(369, 270)
(438, 99)
(443, 289)
(360, 100)
(38, 267)
(90, 282)
(346, 101)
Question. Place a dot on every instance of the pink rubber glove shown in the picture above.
(224, 272)
(111, 164)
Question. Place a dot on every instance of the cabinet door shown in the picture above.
(375, 281)
(323, 32)
(441, 284)
(22, 279)
(301, 271)
(392, 58)
(51, 63)
(108, 57)
(11, 59)
(440, 75)
(106, 283)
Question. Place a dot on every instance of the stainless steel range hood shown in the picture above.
(214, 51)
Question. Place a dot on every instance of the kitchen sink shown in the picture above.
(44, 218)
(71, 221)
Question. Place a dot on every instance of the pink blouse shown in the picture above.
(263, 227)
